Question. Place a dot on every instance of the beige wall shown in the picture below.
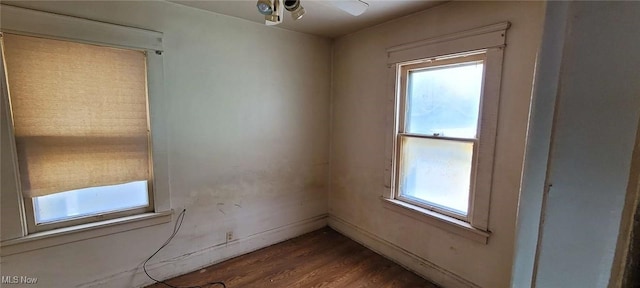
(595, 128)
(249, 151)
(359, 127)
(248, 144)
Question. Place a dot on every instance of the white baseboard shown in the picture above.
(415, 263)
(189, 262)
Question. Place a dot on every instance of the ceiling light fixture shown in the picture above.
(273, 10)
(293, 6)
(265, 7)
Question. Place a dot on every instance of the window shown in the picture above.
(438, 133)
(443, 119)
(80, 122)
(79, 100)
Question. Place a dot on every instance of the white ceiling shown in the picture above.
(321, 18)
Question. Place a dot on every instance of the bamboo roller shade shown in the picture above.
(80, 114)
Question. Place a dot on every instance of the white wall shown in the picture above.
(248, 146)
(359, 128)
(596, 122)
(534, 175)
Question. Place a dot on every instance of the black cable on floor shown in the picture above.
(176, 228)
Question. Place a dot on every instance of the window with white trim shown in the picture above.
(80, 124)
(78, 106)
(445, 95)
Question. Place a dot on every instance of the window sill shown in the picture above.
(82, 232)
(441, 221)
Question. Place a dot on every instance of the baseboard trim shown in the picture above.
(169, 268)
(397, 254)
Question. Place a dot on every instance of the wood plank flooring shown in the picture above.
(323, 258)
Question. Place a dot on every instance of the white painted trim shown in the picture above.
(192, 261)
(437, 219)
(533, 186)
(469, 40)
(44, 24)
(488, 128)
(415, 263)
(391, 111)
(158, 122)
(453, 36)
(82, 232)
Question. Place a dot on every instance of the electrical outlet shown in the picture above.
(229, 236)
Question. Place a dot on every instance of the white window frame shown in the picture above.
(490, 42)
(20, 235)
(405, 69)
(28, 202)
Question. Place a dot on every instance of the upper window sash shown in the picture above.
(444, 62)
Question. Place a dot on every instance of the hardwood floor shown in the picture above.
(322, 258)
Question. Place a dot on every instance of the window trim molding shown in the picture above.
(491, 40)
(437, 219)
(485, 37)
(61, 27)
(76, 233)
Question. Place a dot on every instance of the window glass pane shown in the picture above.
(437, 172)
(90, 201)
(445, 100)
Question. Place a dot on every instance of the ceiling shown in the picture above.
(321, 18)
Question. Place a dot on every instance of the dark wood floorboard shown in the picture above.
(322, 258)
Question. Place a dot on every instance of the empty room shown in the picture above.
(319, 143)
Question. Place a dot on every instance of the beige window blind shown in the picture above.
(79, 113)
